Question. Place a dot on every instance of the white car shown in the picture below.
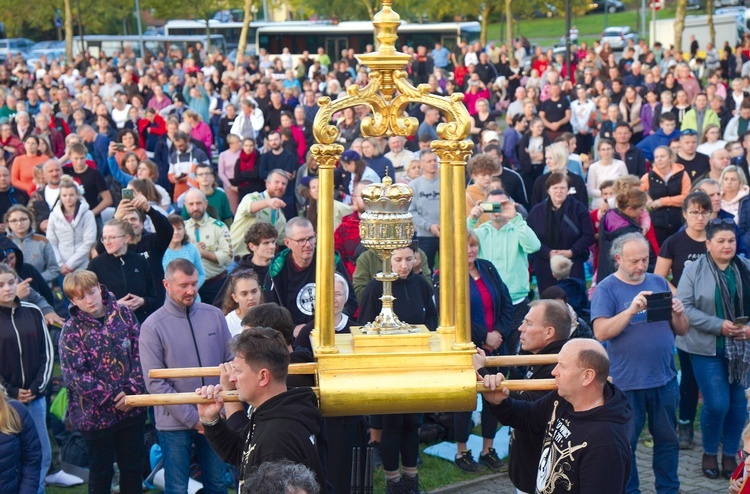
(618, 37)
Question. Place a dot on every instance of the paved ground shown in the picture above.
(691, 479)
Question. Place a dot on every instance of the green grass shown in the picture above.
(547, 31)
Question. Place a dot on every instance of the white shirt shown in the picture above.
(51, 196)
(234, 323)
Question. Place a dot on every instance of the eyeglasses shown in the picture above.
(111, 239)
(20, 220)
(696, 214)
(302, 241)
(742, 454)
(689, 132)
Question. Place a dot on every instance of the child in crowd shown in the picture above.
(244, 293)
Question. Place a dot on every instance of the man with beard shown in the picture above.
(279, 158)
(261, 206)
(645, 372)
(184, 333)
(212, 238)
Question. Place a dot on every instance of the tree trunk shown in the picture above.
(509, 24)
(711, 28)
(208, 36)
(369, 7)
(68, 21)
(679, 23)
(485, 22)
(245, 28)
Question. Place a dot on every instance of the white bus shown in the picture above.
(357, 34)
(230, 30)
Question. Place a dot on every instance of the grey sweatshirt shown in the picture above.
(425, 207)
(167, 341)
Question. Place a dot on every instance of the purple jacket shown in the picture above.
(176, 336)
(99, 360)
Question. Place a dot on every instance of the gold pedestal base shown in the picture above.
(414, 336)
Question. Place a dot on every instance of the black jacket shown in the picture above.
(634, 161)
(523, 155)
(283, 427)
(413, 304)
(295, 289)
(129, 273)
(152, 247)
(582, 452)
(26, 352)
(575, 181)
(526, 448)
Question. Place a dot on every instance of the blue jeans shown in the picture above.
(724, 405)
(38, 411)
(659, 405)
(176, 447)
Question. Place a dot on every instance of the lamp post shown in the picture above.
(567, 38)
(140, 29)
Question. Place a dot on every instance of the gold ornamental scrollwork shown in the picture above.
(326, 155)
(452, 151)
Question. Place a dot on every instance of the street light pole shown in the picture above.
(567, 38)
(140, 29)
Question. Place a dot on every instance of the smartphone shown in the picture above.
(659, 307)
(120, 147)
(492, 207)
(127, 194)
(741, 321)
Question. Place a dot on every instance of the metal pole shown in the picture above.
(265, 10)
(643, 19)
(606, 13)
(567, 38)
(140, 29)
(80, 27)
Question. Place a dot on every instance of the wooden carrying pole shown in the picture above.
(312, 367)
(231, 396)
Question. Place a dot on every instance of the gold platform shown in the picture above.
(380, 374)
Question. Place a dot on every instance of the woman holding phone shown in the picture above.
(714, 291)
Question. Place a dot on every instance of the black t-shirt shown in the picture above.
(513, 186)
(92, 181)
(682, 250)
(695, 167)
(554, 111)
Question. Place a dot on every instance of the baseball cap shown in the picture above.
(350, 155)
(490, 136)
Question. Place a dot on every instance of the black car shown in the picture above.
(611, 6)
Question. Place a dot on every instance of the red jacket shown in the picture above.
(738, 474)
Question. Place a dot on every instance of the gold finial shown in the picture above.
(386, 23)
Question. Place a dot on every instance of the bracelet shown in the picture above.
(209, 424)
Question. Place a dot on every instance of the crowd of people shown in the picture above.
(162, 213)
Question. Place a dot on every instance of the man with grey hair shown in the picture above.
(98, 146)
(641, 349)
(283, 477)
(291, 278)
(184, 333)
(261, 206)
(211, 236)
(43, 200)
(399, 156)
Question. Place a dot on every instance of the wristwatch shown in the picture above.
(213, 422)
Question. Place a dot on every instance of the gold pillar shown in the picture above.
(327, 155)
(458, 152)
(447, 316)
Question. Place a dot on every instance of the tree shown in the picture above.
(68, 21)
(679, 23)
(509, 23)
(245, 28)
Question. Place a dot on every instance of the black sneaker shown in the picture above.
(467, 463)
(492, 461)
(685, 429)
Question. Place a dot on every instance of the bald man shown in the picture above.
(585, 422)
(212, 238)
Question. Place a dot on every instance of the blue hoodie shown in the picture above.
(658, 138)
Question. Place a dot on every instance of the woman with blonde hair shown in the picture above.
(607, 168)
(20, 451)
(733, 188)
(373, 156)
(711, 140)
(556, 161)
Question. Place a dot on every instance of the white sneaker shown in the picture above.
(62, 479)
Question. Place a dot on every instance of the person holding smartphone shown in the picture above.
(717, 306)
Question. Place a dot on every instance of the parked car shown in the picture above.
(14, 46)
(611, 6)
(46, 45)
(693, 5)
(618, 36)
(728, 3)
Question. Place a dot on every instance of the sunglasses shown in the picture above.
(243, 273)
(689, 132)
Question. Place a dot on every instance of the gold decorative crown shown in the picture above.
(387, 197)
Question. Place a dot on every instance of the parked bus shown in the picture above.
(357, 35)
(230, 30)
(110, 44)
